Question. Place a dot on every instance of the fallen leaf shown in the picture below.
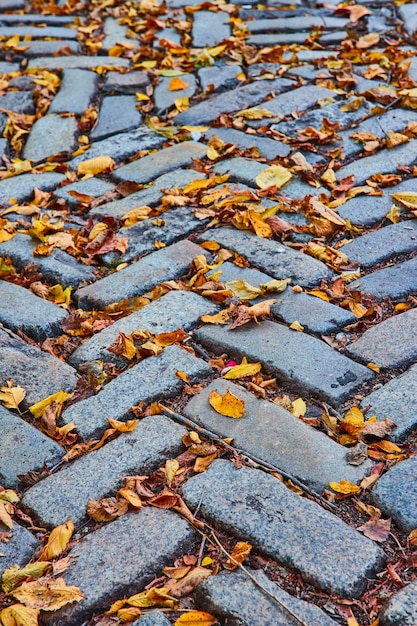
(196, 618)
(168, 339)
(98, 165)
(298, 407)
(254, 114)
(123, 346)
(412, 538)
(185, 585)
(219, 318)
(407, 199)
(275, 175)
(5, 517)
(367, 41)
(107, 509)
(47, 594)
(203, 462)
(131, 496)
(240, 552)
(242, 370)
(374, 367)
(57, 541)
(38, 409)
(123, 427)
(11, 396)
(153, 597)
(19, 615)
(176, 84)
(14, 575)
(243, 289)
(128, 614)
(170, 470)
(227, 404)
(296, 326)
(345, 488)
(260, 309)
(378, 529)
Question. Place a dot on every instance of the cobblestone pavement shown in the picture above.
(208, 211)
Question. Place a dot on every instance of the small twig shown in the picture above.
(197, 508)
(199, 350)
(200, 553)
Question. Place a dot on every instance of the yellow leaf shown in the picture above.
(58, 541)
(123, 427)
(228, 404)
(107, 509)
(357, 309)
(240, 552)
(374, 367)
(299, 407)
(402, 306)
(49, 595)
(260, 309)
(275, 286)
(5, 515)
(214, 52)
(128, 614)
(393, 214)
(345, 487)
(367, 41)
(354, 416)
(412, 538)
(171, 468)
(38, 409)
(140, 97)
(209, 561)
(296, 326)
(261, 228)
(396, 139)
(91, 167)
(176, 84)
(59, 295)
(242, 370)
(12, 576)
(11, 396)
(182, 104)
(19, 615)
(9, 496)
(243, 290)
(131, 496)
(408, 199)
(212, 153)
(196, 618)
(219, 318)
(254, 114)
(153, 597)
(319, 294)
(275, 175)
(135, 215)
(182, 376)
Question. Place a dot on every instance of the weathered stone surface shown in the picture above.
(304, 363)
(397, 401)
(37, 32)
(227, 595)
(153, 618)
(240, 169)
(81, 62)
(125, 83)
(94, 187)
(121, 558)
(272, 257)
(149, 167)
(235, 100)
(23, 448)
(395, 494)
(20, 309)
(295, 531)
(6, 67)
(58, 267)
(381, 245)
(210, 28)
(219, 77)
(115, 33)
(277, 39)
(401, 609)
(117, 114)
(164, 98)
(296, 24)
(21, 187)
(392, 343)
(32, 18)
(164, 264)
(366, 210)
(121, 146)
(267, 147)
(39, 373)
(19, 549)
(395, 281)
(271, 433)
(18, 101)
(48, 48)
(64, 495)
(176, 309)
(147, 381)
(408, 14)
(50, 135)
(76, 92)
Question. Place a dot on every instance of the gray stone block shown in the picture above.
(120, 558)
(268, 148)
(32, 18)
(401, 609)
(58, 267)
(51, 135)
(151, 379)
(153, 618)
(241, 170)
(40, 47)
(390, 344)
(80, 62)
(273, 434)
(296, 23)
(153, 165)
(21, 187)
(394, 282)
(219, 77)
(164, 264)
(20, 309)
(176, 309)
(408, 14)
(7, 67)
(233, 597)
(272, 257)
(397, 401)
(19, 549)
(18, 101)
(76, 92)
(395, 494)
(64, 495)
(39, 373)
(37, 32)
(94, 187)
(114, 33)
(304, 363)
(23, 448)
(164, 98)
(210, 28)
(295, 531)
(128, 83)
(117, 114)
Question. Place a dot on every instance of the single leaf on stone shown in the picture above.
(123, 427)
(131, 496)
(11, 396)
(182, 104)
(128, 614)
(254, 114)
(394, 214)
(185, 585)
(98, 165)
(260, 309)
(243, 289)
(275, 286)
(58, 541)
(168, 339)
(106, 509)
(324, 211)
(47, 594)
(13, 575)
(5, 517)
(298, 407)
(367, 41)
(345, 488)
(8, 495)
(395, 139)
(135, 215)
(153, 597)
(242, 370)
(19, 615)
(219, 318)
(177, 84)
(196, 618)
(356, 11)
(38, 409)
(296, 326)
(259, 225)
(227, 404)
(123, 346)
(171, 468)
(273, 176)
(240, 552)
(378, 529)
(407, 199)
(203, 462)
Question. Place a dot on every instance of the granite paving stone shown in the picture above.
(297, 532)
(396, 400)
(59, 267)
(270, 432)
(52, 48)
(366, 210)
(39, 373)
(307, 23)
(397, 281)
(219, 77)
(30, 448)
(235, 100)
(6, 67)
(100, 473)
(51, 135)
(81, 62)
(117, 114)
(128, 83)
(19, 549)
(273, 258)
(94, 187)
(37, 32)
(165, 264)
(33, 18)
(20, 309)
(120, 558)
(153, 165)
(241, 170)
(18, 101)
(76, 92)
(114, 33)
(401, 609)
(151, 379)
(395, 493)
(267, 147)
(390, 344)
(176, 309)
(210, 28)
(164, 98)
(153, 618)
(304, 363)
(277, 39)
(408, 14)
(21, 187)
(226, 596)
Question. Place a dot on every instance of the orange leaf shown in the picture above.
(176, 84)
(367, 41)
(240, 552)
(345, 488)
(195, 618)
(228, 404)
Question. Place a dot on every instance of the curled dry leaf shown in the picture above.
(344, 489)
(14, 575)
(242, 370)
(11, 396)
(377, 529)
(227, 404)
(59, 397)
(6, 510)
(196, 618)
(187, 584)
(239, 554)
(57, 541)
(19, 615)
(153, 597)
(98, 165)
(106, 509)
(47, 594)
